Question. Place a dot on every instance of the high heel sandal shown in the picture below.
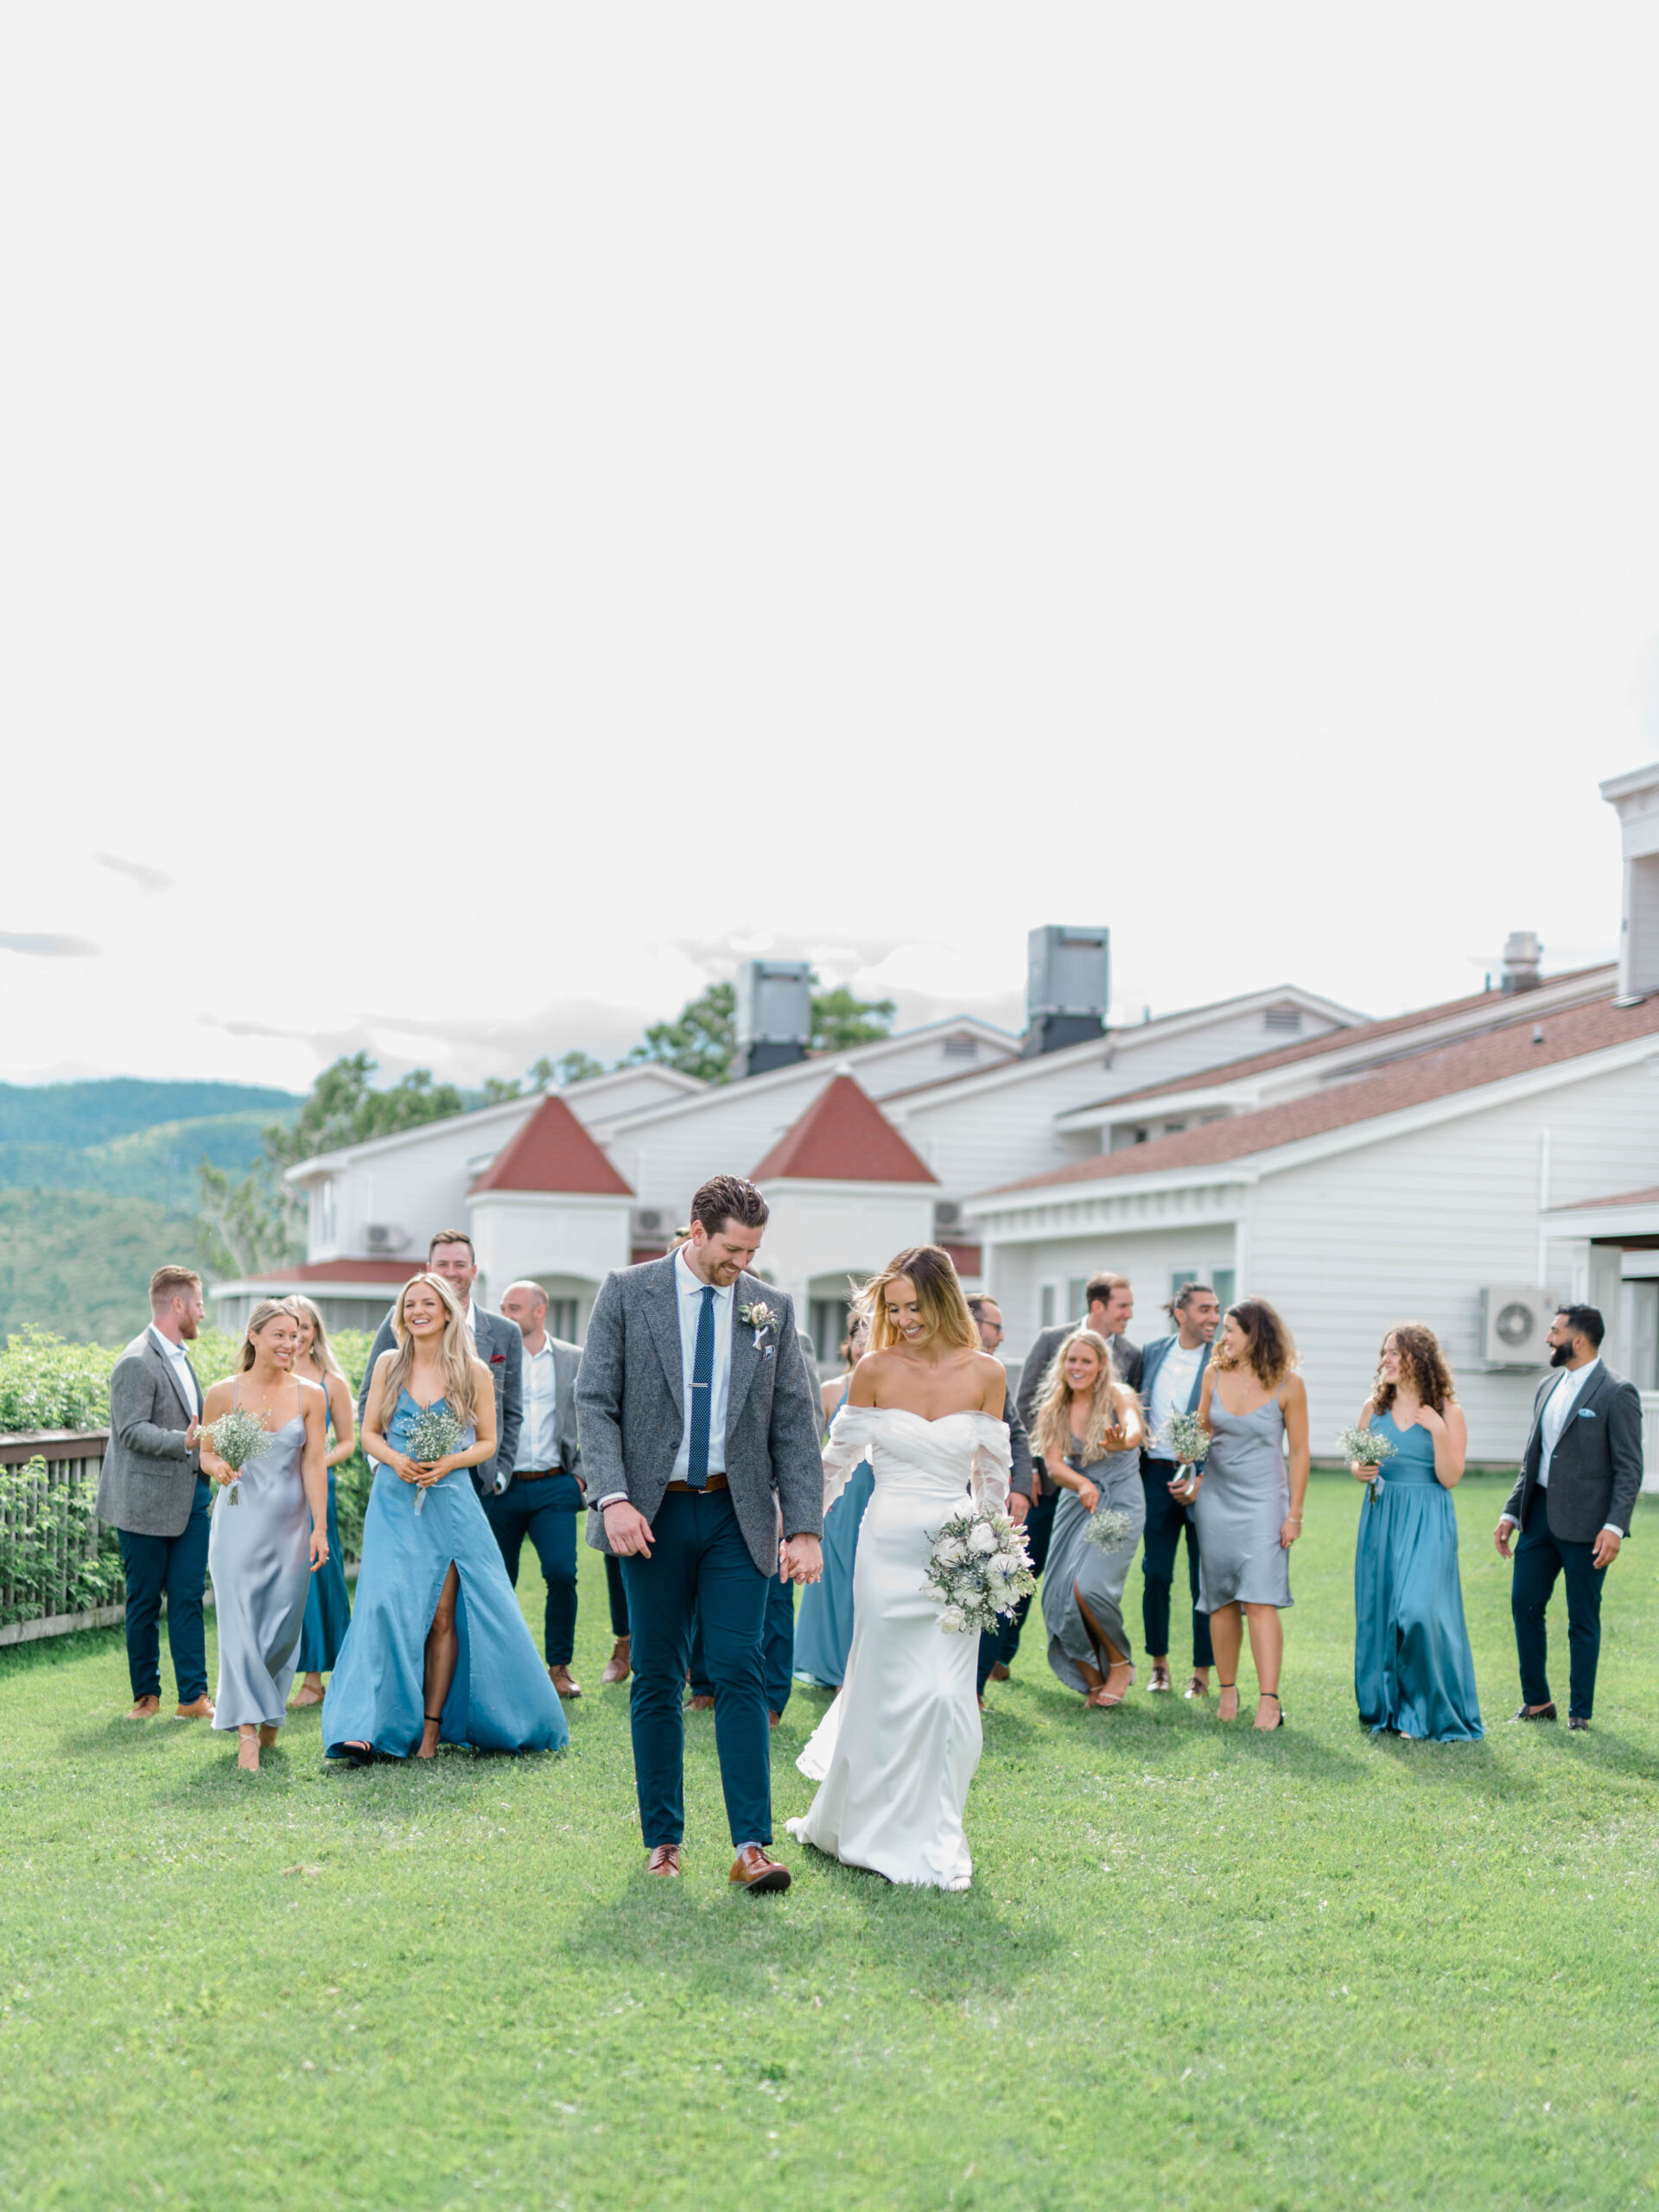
(1222, 1689)
(1279, 1722)
(1099, 1700)
(359, 1754)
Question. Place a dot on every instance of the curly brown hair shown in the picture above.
(1422, 1368)
(1268, 1352)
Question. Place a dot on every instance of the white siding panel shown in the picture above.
(1016, 1274)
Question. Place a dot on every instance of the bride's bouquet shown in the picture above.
(238, 1437)
(1369, 1449)
(979, 1572)
(433, 1435)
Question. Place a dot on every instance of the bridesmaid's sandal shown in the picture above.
(359, 1754)
(247, 1753)
(430, 1718)
(1257, 1723)
(303, 1696)
(1228, 1690)
(1105, 1697)
(267, 1735)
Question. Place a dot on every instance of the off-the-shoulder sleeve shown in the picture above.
(852, 1433)
(993, 1463)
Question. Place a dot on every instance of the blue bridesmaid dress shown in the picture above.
(823, 1627)
(500, 1699)
(1413, 1671)
(328, 1602)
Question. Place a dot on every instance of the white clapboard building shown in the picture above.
(1464, 1165)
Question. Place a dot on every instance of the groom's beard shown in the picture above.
(1561, 1354)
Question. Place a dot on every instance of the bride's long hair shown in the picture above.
(454, 1355)
(938, 1294)
(1053, 1424)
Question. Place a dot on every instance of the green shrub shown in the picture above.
(55, 1554)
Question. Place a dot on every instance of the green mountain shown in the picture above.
(140, 1140)
(80, 1261)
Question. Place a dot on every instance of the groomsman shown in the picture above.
(152, 1491)
(1172, 1382)
(1579, 1477)
(698, 1431)
(543, 1497)
(497, 1342)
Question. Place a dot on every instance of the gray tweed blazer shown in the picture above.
(630, 1403)
(148, 1483)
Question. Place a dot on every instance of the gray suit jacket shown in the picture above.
(148, 1484)
(502, 1350)
(1595, 1472)
(1040, 1358)
(1018, 1445)
(567, 1359)
(631, 1401)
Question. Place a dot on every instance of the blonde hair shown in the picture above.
(260, 1320)
(321, 1350)
(454, 1355)
(938, 1294)
(1053, 1424)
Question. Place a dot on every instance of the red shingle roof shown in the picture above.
(392, 1271)
(843, 1137)
(552, 1152)
(1624, 1199)
(1438, 1072)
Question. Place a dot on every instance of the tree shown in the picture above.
(568, 1068)
(703, 1039)
(245, 1228)
(840, 1021)
(499, 1088)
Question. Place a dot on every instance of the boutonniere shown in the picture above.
(760, 1318)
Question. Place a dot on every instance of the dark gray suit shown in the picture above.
(501, 1348)
(1595, 1472)
(150, 1489)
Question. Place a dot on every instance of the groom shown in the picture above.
(1579, 1475)
(699, 1443)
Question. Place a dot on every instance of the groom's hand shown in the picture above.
(626, 1531)
(801, 1559)
(1501, 1535)
(1606, 1550)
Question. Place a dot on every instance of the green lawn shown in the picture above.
(1198, 1967)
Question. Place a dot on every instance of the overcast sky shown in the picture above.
(505, 511)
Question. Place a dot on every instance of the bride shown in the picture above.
(897, 1750)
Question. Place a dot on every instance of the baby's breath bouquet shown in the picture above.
(1370, 1449)
(979, 1572)
(238, 1437)
(433, 1435)
(1109, 1528)
(1183, 1437)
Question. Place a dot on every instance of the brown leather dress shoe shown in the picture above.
(1536, 1712)
(1160, 1682)
(699, 1705)
(774, 1720)
(145, 1708)
(752, 1870)
(1000, 1673)
(564, 1681)
(619, 1665)
(665, 1859)
(199, 1708)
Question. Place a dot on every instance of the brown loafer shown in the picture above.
(774, 1720)
(145, 1708)
(1197, 1688)
(200, 1709)
(619, 1665)
(665, 1859)
(998, 1673)
(1536, 1712)
(752, 1870)
(1160, 1683)
(564, 1681)
(699, 1705)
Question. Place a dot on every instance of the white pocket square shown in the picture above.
(1586, 1413)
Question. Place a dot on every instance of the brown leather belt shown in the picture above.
(709, 1482)
(541, 1475)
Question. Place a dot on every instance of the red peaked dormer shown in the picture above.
(552, 1152)
(843, 1137)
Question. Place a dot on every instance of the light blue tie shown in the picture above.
(702, 1381)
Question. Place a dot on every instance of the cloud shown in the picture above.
(149, 879)
(46, 945)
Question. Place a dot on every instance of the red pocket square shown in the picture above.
(498, 1359)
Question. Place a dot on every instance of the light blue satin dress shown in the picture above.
(823, 1627)
(501, 1698)
(1413, 1671)
(259, 1556)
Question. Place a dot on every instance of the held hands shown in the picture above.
(800, 1560)
(626, 1531)
(1018, 1506)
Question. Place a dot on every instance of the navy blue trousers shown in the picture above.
(777, 1649)
(177, 1565)
(1039, 1527)
(547, 1513)
(617, 1594)
(699, 1573)
(1166, 1523)
(1540, 1557)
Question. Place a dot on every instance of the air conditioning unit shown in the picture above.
(1515, 1318)
(385, 1237)
(947, 1214)
(649, 1222)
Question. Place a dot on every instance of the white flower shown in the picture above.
(951, 1620)
(1006, 1564)
(950, 1552)
(981, 1538)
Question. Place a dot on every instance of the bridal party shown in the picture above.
(692, 1442)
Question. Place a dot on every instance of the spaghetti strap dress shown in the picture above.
(823, 1628)
(1079, 1564)
(500, 1699)
(328, 1603)
(259, 1557)
(1413, 1672)
(1241, 1509)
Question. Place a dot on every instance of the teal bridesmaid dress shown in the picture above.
(823, 1627)
(328, 1602)
(1413, 1672)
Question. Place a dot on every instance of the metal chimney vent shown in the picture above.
(1068, 987)
(774, 1014)
(1522, 955)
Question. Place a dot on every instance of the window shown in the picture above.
(1224, 1279)
(828, 1326)
(326, 1212)
(1075, 1289)
(1047, 1306)
(561, 1320)
(1220, 1280)
(1640, 1319)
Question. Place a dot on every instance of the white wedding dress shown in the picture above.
(896, 1751)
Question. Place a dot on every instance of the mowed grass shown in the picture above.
(1198, 1966)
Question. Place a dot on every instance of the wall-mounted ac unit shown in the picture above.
(1515, 1318)
(947, 1214)
(649, 1222)
(384, 1237)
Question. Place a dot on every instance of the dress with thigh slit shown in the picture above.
(500, 1699)
(1078, 1564)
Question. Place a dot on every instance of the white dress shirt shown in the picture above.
(183, 1375)
(689, 1288)
(1557, 1407)
(1172, 1386)
(538, 1439)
